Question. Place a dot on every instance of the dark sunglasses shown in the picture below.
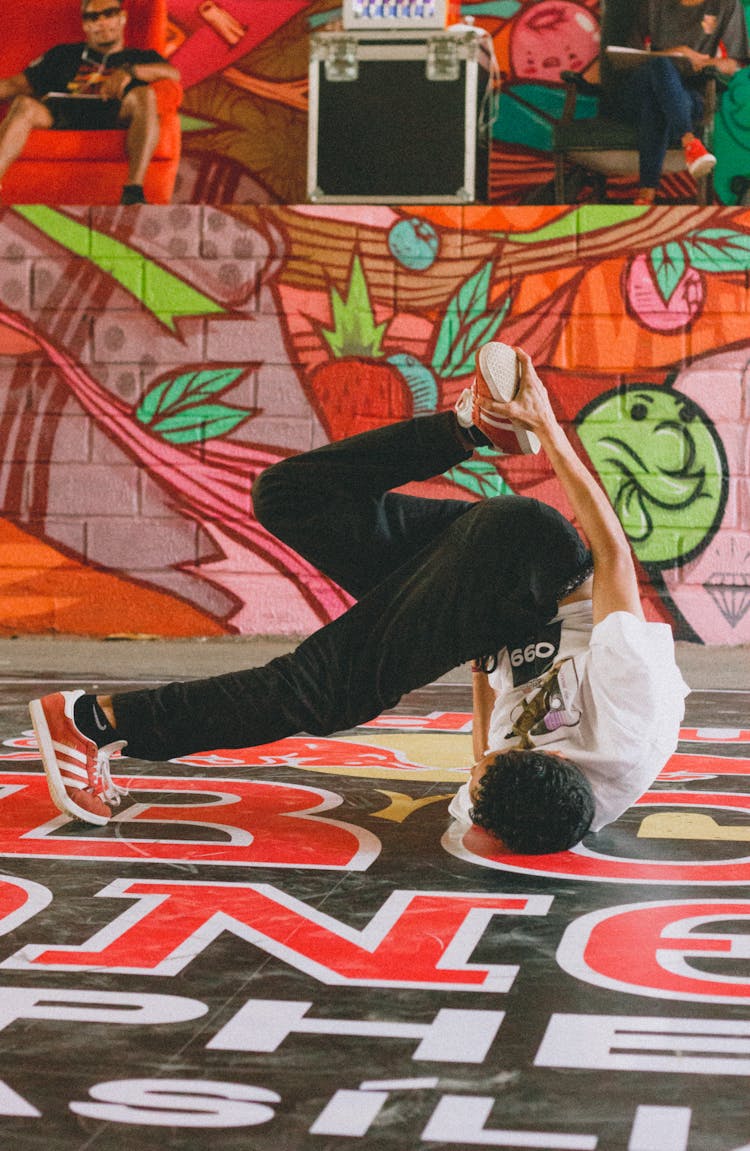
(102, 14)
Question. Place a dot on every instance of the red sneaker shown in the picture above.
(698, 159)
(498, 376)
(77, 770)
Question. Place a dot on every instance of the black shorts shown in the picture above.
(90, 114)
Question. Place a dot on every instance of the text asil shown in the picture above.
(453, 1036)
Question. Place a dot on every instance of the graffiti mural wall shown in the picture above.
(154, 360)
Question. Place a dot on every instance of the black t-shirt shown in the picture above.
(68, 67)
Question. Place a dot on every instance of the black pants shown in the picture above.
(662, 105)
(438, 582)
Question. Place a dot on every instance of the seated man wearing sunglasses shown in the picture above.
(98, 83)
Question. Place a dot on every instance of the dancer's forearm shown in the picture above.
(615, 581)
(483, 698)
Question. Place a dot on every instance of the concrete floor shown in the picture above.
(704, 668)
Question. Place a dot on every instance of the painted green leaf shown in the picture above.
(668, 263)
(470, 299)
(354, 331)
(471, 339)
(198, 423)
(718, 250)
(467, 324)
(186, 390)
(480, 477)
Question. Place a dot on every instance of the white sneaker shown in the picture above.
(498, 378)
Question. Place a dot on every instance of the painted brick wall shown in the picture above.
(154, 360)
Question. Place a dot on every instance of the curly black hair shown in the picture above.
(535, 802)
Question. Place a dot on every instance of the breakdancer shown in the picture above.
(577, 700)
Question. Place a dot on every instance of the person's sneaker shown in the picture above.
(77, 770)
(698, 159)
(498, 377)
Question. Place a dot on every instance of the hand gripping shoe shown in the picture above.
(498, 378)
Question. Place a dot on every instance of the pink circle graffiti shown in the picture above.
(552, 36)
(650, 308)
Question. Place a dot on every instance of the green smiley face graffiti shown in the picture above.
(662, 466)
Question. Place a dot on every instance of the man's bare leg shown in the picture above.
(139, 112)
(24, 115)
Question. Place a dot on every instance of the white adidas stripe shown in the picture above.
(69, 751)
(495, 422)
(72, 770)
(74, 784)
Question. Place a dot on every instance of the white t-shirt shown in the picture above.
(614, 706)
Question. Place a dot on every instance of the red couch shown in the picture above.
(65, 167)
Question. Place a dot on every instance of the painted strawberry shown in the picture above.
(359, 388)
(354, 395)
